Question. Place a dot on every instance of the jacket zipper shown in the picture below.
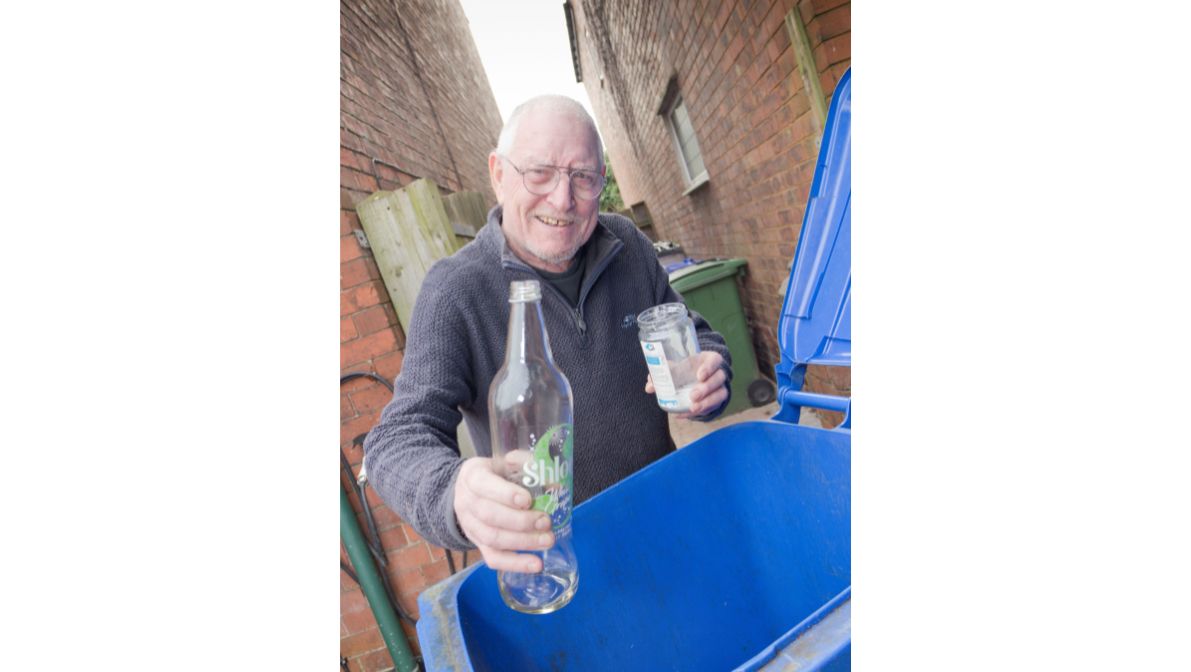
(576, 311)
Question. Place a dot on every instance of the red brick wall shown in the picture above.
(414, 103)
(738, 77)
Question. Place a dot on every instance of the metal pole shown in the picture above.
(370, 583)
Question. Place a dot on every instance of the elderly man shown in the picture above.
(597, 272)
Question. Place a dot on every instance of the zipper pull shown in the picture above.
(582, 324)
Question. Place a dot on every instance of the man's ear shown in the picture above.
(496, 173)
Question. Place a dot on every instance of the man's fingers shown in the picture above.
(508, 561)
(709, 402)
(495, 513)
(488, 484)
(506, 518)
(507, 540)
(709, 363)
(649, 384)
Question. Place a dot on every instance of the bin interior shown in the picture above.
(697, 562)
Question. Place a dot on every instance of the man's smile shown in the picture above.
(550, 221)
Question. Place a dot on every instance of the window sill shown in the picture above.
(699, 182)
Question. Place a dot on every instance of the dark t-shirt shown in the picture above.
(569, 281)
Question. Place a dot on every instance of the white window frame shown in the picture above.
(693, 182)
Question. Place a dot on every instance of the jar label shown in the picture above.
(659, 370)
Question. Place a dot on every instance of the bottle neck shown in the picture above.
(527, 337)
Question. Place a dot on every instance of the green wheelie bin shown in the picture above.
(709, 288)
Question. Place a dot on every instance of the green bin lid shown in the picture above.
(704, 273)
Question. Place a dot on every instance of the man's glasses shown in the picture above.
(541, 180)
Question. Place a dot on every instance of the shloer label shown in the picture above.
(539, 472)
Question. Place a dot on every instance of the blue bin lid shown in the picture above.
(674, 266)
(815, 326)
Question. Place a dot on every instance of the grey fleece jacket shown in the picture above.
(455, 345)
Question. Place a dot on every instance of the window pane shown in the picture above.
(688, 145)
(695, 163)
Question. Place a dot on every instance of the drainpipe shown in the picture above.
(374, 590)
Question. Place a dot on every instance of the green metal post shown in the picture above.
(370, 583)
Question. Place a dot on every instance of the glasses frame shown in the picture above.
(558, 170)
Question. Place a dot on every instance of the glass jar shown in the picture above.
(671, 350)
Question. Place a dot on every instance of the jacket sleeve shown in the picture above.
(412, 454)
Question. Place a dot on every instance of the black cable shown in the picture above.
(348, 377)
(450, 560)
(348, 570)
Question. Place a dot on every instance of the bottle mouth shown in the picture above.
(524, 291)
(661, 313)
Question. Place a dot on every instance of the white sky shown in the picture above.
(525, 50)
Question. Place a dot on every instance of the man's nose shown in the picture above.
(561, 195)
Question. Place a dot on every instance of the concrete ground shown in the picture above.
(686, 431)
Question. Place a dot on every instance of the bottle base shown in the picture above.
(542, 594)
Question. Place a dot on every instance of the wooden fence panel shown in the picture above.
(466, 212)
(408, 230)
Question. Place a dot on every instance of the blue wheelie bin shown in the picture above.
(733, 553)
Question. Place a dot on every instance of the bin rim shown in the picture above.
(704, 273)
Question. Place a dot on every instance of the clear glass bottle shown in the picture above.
(671, 350)
(531, 419)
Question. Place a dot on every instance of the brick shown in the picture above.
(392, 538)
(357, 426)
(823, 6)
(348, 220)
(837, 49)
(406, 581)
(347, 330)
(409, 557)
(360, 643)
(390, 365)
(372, 399)
(349, 248)
(412, 534)
(362, 296)
(386, 519)
(356, 272)
(355, 612)
(833, 22)
(410, 604)
(355, 455)
(357, 180)
(436, 571)
(356, 384)
(366, 347)
(350, 198)
(374, 499)
(806, 9)
(374, 319)
(352, 159)
(346, 410)
(375, 661)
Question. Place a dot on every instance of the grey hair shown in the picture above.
(554, 103)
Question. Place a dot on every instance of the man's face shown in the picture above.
(546, 231)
